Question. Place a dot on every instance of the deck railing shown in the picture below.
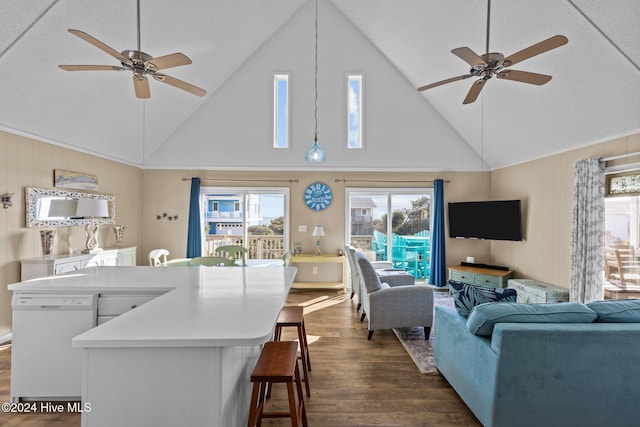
(259, 246)
(362, 242)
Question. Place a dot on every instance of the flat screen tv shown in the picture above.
(490, 220)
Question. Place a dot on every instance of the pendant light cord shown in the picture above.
(315, 111)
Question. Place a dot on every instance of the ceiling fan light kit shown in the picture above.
(141, 64)
(495, 64)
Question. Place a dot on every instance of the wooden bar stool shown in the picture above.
(278, 363)
(294, 316)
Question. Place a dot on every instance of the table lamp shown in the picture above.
(318, 231)
(90, 209)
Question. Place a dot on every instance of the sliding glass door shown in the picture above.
(392, 225)
(256, 218)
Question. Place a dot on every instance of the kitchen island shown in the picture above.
(183, 358)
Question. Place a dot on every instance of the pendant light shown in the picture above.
(316, 153)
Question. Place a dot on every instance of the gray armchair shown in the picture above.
(389, 307)
(356, 285)
(356, 288)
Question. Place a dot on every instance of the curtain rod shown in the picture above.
(447, 181)
(621, 156)
(243, 180)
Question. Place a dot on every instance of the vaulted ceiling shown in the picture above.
(237, 45)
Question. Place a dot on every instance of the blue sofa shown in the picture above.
(585, 373)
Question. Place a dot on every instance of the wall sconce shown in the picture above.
(5, 199)
(318, 231)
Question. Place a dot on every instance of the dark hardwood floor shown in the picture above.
(354, 382)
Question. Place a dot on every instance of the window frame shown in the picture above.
(388, 193)
(360, 114)
(277, 78)
(244, 193)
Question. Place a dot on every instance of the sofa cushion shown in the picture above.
(617, 311)
(467, 296)
(484, 317)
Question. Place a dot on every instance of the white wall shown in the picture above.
(234, 127)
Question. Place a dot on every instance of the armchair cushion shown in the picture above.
(467, 296)
(368, 273)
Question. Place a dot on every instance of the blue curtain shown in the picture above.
(194, 233)
(438, 262)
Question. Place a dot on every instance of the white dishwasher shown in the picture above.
(44, 366)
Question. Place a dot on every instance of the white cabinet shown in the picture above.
(58, 264)
(102, 258)
(64, 266)
(127, 256)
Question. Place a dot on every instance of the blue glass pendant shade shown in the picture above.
(315, 153)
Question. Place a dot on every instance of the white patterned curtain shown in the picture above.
(587, 234)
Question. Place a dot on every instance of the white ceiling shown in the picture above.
(236, 45)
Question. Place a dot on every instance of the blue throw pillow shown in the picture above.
(484, 317)
(617, 311)
(466, 296)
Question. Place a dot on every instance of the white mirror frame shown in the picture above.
(32, 195)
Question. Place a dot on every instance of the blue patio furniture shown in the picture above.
(423, 233)
(379, 245)
(419, 248)
(401, 257)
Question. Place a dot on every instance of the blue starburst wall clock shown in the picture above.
(318, 196)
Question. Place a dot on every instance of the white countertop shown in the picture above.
(203, 306)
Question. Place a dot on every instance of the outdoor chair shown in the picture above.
(379, 245)
(621, 266)
(403, 258)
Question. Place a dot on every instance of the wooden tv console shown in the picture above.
(480, 275)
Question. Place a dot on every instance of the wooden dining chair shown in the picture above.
(620, 266)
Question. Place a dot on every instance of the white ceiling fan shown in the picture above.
(140, 63)
(495, 64)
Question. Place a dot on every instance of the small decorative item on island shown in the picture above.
(118, 230)
(46, 238)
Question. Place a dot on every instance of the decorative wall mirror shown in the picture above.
(57, 208)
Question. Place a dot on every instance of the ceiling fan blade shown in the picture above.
(453, 79)
(91, 67)
(524, 77)
(141, 85)
(473, 93)
(97, 43)
(536, 49)
(180, 84)
(168, 61)
(469, 56)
